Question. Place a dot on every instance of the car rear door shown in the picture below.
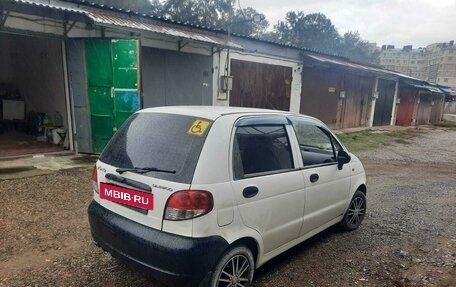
(268, 186)
(170, 144)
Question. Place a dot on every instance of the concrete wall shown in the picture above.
(450, 108)
(36, 68)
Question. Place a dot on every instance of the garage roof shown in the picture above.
(109, 19)
(127, 20)
(61, 6)
(427, 88)
(345, 63)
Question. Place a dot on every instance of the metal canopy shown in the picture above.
(345, 63)
(110, 19)
(52, 4)
(427, 88)
(113, 19)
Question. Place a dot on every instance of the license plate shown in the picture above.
(126, 196)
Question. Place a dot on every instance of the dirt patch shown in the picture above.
(16, 169)
(85, 159)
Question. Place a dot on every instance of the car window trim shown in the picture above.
(258, 120)
(266, 173)
(318, 165)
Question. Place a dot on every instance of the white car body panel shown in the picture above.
(287, 210)
(325, 199)
(276, 211)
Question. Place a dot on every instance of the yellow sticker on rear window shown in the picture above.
(198, 127)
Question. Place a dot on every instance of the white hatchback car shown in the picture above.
(205, 195)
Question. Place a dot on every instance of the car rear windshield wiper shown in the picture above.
(142, 170)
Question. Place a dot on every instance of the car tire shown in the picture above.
(355, 213)
(235, 268)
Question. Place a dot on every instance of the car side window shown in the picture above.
(261, 149)
(315, 143)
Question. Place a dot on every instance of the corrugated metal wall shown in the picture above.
(258, 85)
(175, 78)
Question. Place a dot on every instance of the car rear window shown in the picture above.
(164, 141)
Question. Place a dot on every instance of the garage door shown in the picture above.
(384, 103)
(175, 78)
(112, 80)
(259, 85)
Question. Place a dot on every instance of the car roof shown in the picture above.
(211, 112)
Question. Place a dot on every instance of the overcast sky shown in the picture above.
(396, 22)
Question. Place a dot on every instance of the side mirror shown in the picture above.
(342, 158)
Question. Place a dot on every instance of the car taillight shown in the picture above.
(95, 179)
(187, 204)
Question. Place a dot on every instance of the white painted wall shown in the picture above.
(450, 108)
(394, 111)
(219, 61)
(36, 69)
(374, 99)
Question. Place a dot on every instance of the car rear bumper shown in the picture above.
(169, 257)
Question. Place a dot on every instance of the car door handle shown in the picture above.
(314, 177)
(250, 191)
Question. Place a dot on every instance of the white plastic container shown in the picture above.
(58, 135)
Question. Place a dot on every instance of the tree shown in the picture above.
(316, 32)
(356, 49)
(210, 13)
(312, 31)
(216, 14)
(243, 22)
(142, 6)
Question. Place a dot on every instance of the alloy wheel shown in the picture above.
(356, 211)
(235, 272)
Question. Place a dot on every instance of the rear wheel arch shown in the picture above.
(362, 188)
(250, 243)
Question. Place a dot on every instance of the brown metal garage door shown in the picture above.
(258, 85)
(384, 104)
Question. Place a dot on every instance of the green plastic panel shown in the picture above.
(98, 62)
(125, 63)
(102, 131)
(126, 102)
(112, 77)
(101, 102)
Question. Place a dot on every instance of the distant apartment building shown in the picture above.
(436, 63)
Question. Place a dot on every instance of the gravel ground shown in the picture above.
(408, 237)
